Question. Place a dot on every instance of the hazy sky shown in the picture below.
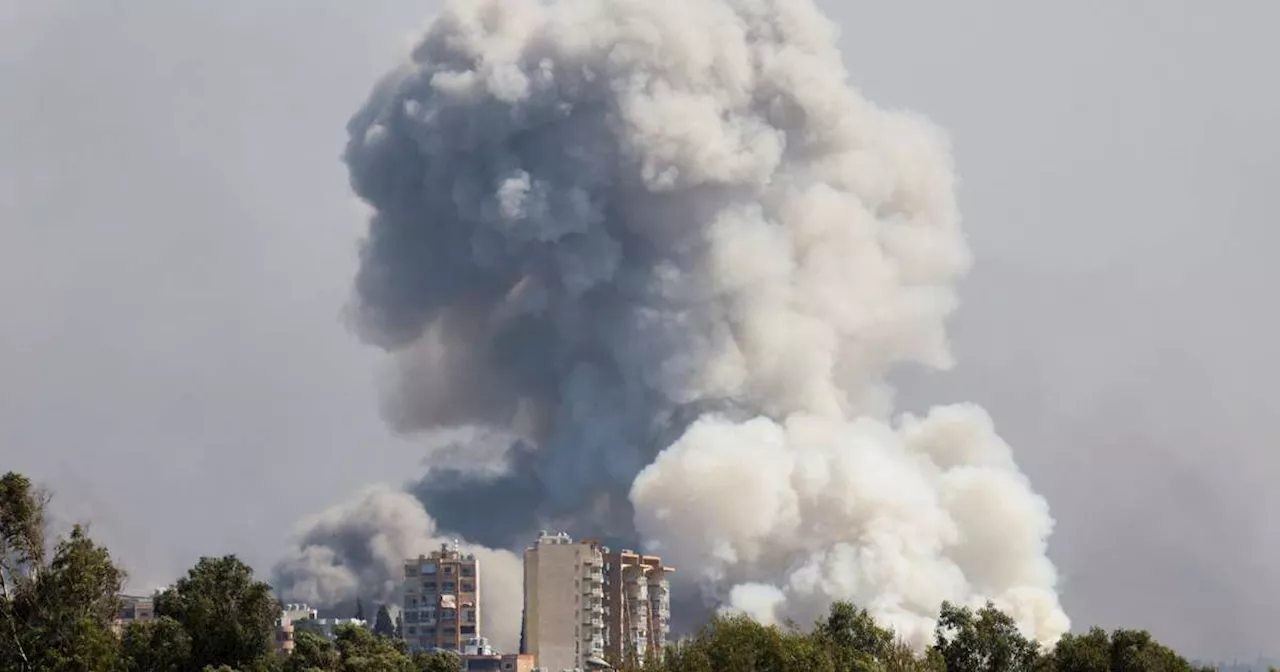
(177, 240)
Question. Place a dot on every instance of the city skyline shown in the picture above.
(180, 238)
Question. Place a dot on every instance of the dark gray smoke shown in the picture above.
(658, 258)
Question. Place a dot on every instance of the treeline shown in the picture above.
(850, 640)
(59, 607)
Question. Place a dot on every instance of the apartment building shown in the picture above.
(441, 600)
(637, 602)
(563, 602)
(585, 603)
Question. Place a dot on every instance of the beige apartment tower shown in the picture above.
(637, 603)
(585, 604)
(563, 602)
(441, 600)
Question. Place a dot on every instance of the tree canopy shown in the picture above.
(56, 610)
(229, 616)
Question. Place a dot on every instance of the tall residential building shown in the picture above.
(563, 602)
(637, 601)
(584, 603)
(441, 600)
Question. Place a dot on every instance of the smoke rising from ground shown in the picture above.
(659, 257)
(358, 548)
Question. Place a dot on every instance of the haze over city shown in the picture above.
(179, 237)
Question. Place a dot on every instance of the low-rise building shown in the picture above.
(285, 629)
(327, 627)
(134, 608)
(500, 662)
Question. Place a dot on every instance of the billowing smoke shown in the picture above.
(650, 262)
(358, 548)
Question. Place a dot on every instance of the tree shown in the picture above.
(161, 645)
(313, 653)
(400, 626)
(382, 625)
(1081, 653)
(363, 651)
(1137, 651)
(988, 641)
(359, 610)
(229, 616)
(852, 637)
(740, 643)
(55, 612)
(1121, 651)
(436, 661)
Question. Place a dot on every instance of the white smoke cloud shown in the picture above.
(668, 246)
(357, 549)
(779, 520)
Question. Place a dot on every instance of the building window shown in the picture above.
(448, 569)
(468, 571)
(449, 586)
(428, 586)
(468, 587)
(413, 629)
(429, 568)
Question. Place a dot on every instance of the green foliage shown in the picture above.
(739, 643)
(312, 653)
(229, 616)
(363, 651)
(988, 641)
(1122, 651)
(852, 638)
(382, 625)
(438, 661)
(55, 612)
(161, 645)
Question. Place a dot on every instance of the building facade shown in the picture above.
(585, 604)
(441, 600)
(563, 602)
(477, 655)
(285, 629)
(134, 608)
(637, 601)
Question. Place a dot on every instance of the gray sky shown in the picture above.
(177, 240)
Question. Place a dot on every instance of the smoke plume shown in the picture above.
(358, 548)
(651, 262)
